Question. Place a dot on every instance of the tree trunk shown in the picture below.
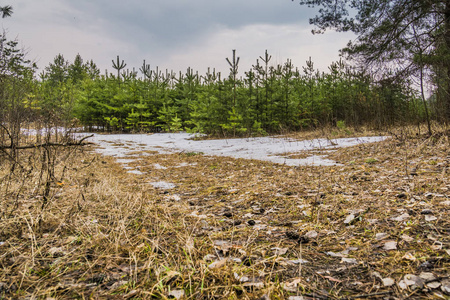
(447, 61)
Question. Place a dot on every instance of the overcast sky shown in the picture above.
(173, 34)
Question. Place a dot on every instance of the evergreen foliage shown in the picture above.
(396, 39)
(267, 99)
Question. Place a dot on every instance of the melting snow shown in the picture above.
(271, 149)
(162, 185)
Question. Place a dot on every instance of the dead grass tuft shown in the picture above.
(231, 228)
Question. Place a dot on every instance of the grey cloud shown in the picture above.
(172, 23)
(156, 30)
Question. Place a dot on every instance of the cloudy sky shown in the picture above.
(172, 34)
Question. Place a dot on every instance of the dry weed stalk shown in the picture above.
(104, 231)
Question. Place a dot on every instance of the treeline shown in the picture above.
(265, 99)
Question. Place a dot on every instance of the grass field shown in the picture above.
(76, 225)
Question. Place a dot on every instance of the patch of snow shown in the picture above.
(163, 185)
(137, 172)
(52, 130)
(125, 160)
(271, 149)
(159, 167)
(185, 165)
(177, 294)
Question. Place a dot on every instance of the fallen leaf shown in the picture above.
(131, 294)
(402, 285)
(401, 218)
(388, 281)
(332, 254)
(445, 287)
(279, 251)
(225, 246)
(427, 276)
(436, 245)
(413, 281)
(381, 236)
(433, 284)
(218, 264)
(236, 259)
(377, 274)
(429, 195)
(407, 238)
(429, 218)
(172, 274)
(260, 227)
(209, 257)
(311, 234)
(409, 256)
(291, 286)
(349, 260)
(390, 245)
(56, 251)
(349, 219)
(332, 279)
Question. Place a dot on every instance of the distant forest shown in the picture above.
(265, 99)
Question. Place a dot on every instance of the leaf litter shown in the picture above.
(239, 228)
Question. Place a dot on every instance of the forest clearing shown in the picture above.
(264, 181)
(375, 226)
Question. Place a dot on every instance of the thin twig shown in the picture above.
(77, 143)
(365, 296)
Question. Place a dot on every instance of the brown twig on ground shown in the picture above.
(77, 143)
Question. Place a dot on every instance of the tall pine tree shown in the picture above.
(400, 35)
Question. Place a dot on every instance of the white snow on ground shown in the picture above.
(271, 149)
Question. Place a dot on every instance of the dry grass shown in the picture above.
(231, 228)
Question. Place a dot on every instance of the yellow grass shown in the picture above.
(230, 229)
